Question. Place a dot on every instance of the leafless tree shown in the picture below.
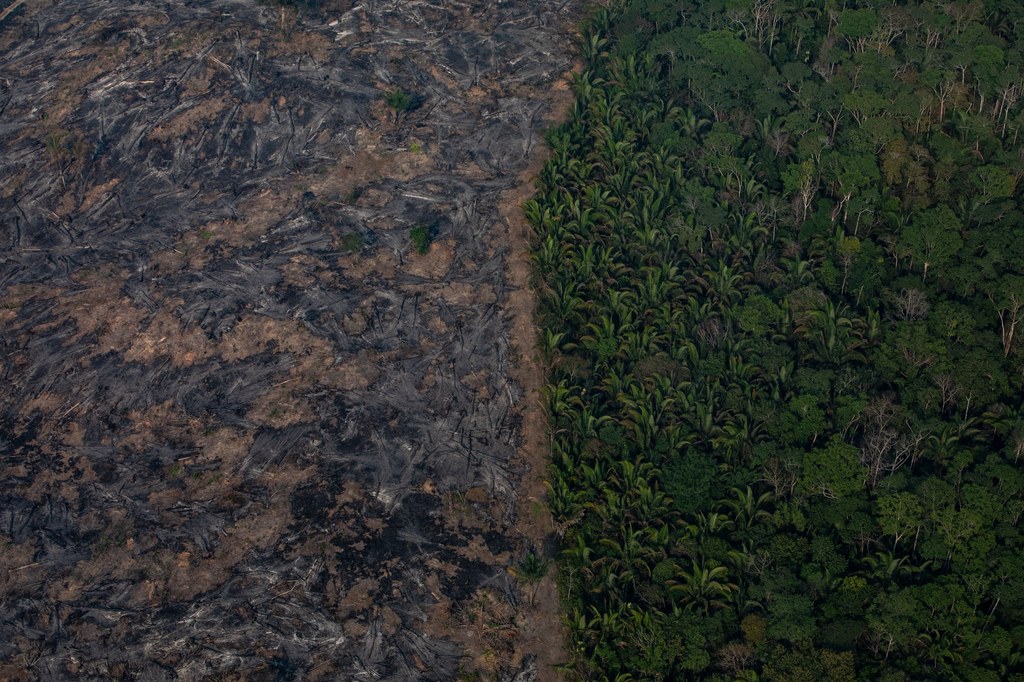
(888, 442)
(735, 657)
(949, 391)
(780, 476)
(910, 304)
(1010, 314)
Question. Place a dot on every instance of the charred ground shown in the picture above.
(246, 431)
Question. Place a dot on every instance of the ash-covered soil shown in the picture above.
(247, 432)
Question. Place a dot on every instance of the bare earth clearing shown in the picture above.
(246, 431)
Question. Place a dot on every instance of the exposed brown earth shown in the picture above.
(541, 624)
(247, 431)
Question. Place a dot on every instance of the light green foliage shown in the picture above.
(900, 515)
(933, 238)
(833, 471)
(759, 315)
(803, 420)
(993, 182)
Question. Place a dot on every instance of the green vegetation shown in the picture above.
(402, 102)
(420, 236)
(399, 100)
(781, 264)
(531, 569)
(353, 242)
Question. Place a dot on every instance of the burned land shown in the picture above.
(247, 429)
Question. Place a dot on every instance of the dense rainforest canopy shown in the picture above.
(780, 249)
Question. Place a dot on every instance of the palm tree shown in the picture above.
(593, 47)
(551, 254)
(704, 588)
(748, 509)
(563, 300)
(724, 284)
(1008, 423)
(886, 566)
(592, 476)
(735, 439)
(835, 338)
(587, 425)
(712, 524)
(552, 343)
(692, 125)
(561, 400)
(631, 555)
(798, 272)
(564, 500)
(531, 570)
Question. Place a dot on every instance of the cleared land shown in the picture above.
(246, 430)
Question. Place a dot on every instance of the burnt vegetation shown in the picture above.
(247, 431)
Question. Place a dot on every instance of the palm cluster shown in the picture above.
(640, 308)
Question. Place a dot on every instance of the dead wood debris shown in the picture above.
(234, 396)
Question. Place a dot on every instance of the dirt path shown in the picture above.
(543, 629)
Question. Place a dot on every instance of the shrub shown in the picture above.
(398, 99)
(353, 242)
(420, 236)
(402, 101)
